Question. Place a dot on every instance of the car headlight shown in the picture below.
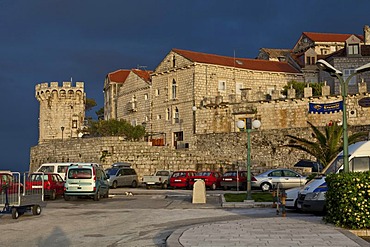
(315, 196)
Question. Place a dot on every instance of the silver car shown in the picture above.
(122, 176)
(284, 178)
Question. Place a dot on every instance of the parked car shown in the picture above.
(212, 179)
(311, 197)
(284, 178)
(234, 179)
(60, 168)
(180, 179)
(52, 183)
(86, 180)
(10, 182)
(160, 178)
(315, 166)
(291, 199)
(122, 175)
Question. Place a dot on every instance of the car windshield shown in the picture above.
(163, 173)
(335, 165)
(82, 173)
(179, 174)
(38, 177)
(230, 174)
(111, 171)
(206, 174)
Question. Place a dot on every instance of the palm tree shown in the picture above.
(327, 145)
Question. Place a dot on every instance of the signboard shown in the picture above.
(325, 107)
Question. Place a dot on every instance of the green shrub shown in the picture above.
(348, 200)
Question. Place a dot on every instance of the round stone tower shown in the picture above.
(62, 110)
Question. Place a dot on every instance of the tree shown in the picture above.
(299, 88)
(89, 104)
(115, 127)
(100, 113)
(326, 145)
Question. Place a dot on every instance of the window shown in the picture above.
(174, 89)
(168, 114)
(313, 60)
(353, 49)
(176, 116)
(157, 92)
(74, 124)
(133, 122)
(238, 88)
(174, 61)
(146, 96)
(347, 73)
(159, 117)
(133, 103)
(359, 164)
(222, 85)
(308, 60)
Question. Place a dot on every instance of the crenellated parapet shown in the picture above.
(44, 91)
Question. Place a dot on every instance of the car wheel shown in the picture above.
(97, 196)
(266, 187)
(36, 210)
(165, 185)
(134, 184)
(15, 213)
(67, 198)
(114, 185)
(213, 187)
(53, 195)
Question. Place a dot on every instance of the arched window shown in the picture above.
(174, 61)
(174, 89)
(176, 116)
(168, 114)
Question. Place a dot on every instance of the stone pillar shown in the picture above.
(291, 92)
(308, 91)
(325, 90)
(199, 192)
(362, 86)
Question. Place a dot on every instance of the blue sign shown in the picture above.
(325, 107)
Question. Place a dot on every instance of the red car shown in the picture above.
(234, 179)
(180, 179)
(53, 183)
(211, 179)
(10, 182)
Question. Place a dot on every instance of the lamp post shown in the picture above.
(242, 127)
(325, 66)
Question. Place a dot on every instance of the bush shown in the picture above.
(348, 200)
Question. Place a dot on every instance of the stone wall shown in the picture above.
(212, 152)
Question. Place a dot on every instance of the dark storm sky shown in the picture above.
(54, 40)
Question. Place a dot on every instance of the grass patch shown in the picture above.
(257, 197)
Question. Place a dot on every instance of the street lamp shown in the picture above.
(242, 127)
(325, 66)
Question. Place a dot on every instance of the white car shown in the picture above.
(292, 197)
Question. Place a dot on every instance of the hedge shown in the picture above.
(348, 200)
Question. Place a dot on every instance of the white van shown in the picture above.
(60, 168)
(312, 196)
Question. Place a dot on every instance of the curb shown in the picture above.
(245, 204)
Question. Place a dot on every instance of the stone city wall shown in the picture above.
(213, 152)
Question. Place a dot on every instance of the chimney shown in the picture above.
(366, 35)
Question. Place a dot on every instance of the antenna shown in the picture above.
(142, 67)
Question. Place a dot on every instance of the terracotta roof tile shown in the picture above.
(145, 75)
(119, 76)
(329, 37)
(243, 63)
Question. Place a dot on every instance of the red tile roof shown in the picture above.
(243, 63)
(145, 75)
(329, 37)
(119, 76)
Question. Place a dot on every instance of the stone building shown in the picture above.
(62, 110)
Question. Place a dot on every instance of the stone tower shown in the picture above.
(62, 110)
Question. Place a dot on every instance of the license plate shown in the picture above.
(197, 179)
(299, 206)
(37, 187)
(177, 180)
(228, 179)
